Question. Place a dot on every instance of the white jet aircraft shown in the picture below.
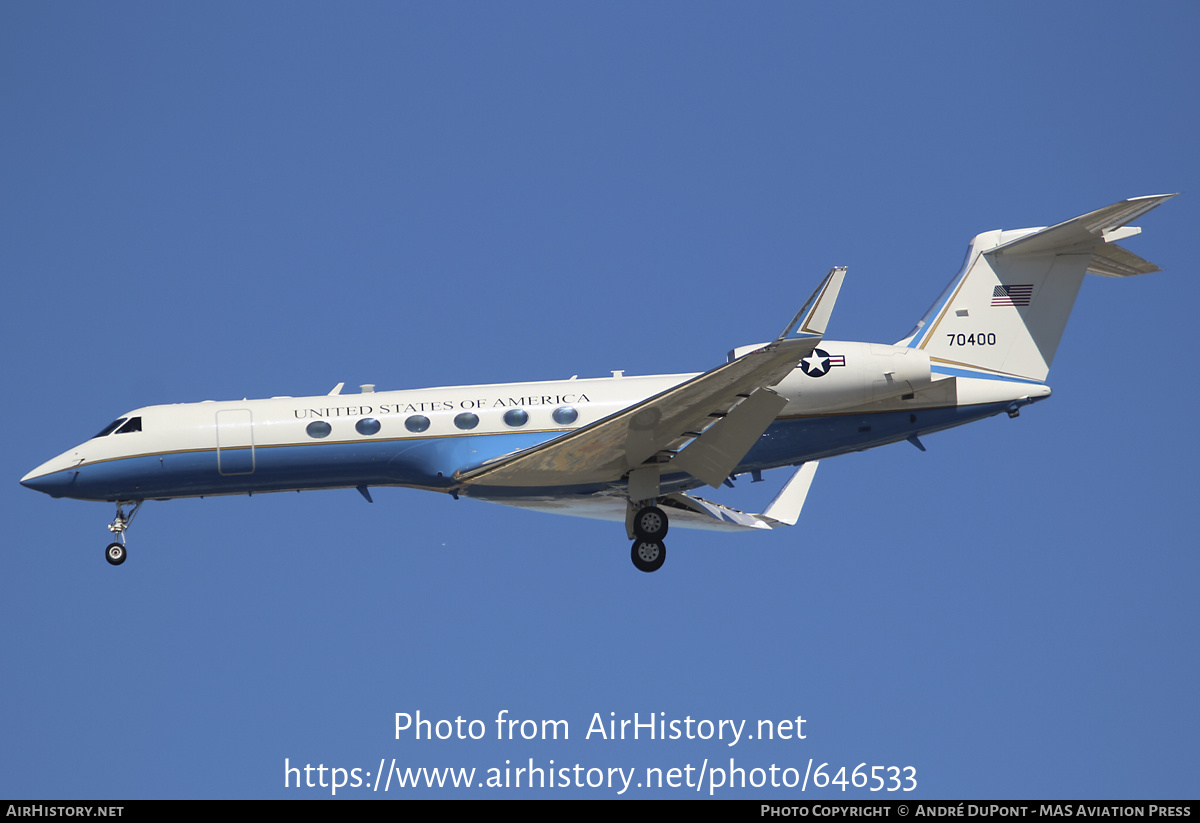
(631, 448)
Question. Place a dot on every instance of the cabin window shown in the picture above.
(133, 424)
(466, 420)
(516, 417)
(368, 425)
(318, 429)
(110, 428)
(417, 423)
(565, 415)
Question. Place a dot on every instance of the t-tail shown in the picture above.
(1005, 311)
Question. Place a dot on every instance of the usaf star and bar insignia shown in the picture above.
(820, 362)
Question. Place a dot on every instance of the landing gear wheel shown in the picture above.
(650, 523)
(115, 554)
(648, 555)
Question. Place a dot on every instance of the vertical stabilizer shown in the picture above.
(1006, 309)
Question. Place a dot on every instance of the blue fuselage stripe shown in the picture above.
(431, 462)
(950, 371)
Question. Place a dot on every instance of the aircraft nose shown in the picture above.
(49, 479)
(54, 484)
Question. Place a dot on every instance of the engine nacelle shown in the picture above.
(844, 375)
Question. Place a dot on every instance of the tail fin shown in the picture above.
(1005, 311)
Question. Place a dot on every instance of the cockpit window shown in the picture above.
(133, 424)
(110, 428)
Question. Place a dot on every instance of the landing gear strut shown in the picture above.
(115, 553)
(648, 526)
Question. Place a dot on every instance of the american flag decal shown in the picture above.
(1012, 295)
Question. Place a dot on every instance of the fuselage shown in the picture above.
(630, 448)
(851, 397)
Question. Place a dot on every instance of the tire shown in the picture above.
(648, 555)
(650, 523)
(115, 554)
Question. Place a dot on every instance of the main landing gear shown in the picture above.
(648, 527)
(115, 553)
(647, 555)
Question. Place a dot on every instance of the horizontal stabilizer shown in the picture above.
(1114, 261)
(1084, 233)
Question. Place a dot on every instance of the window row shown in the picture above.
(417, 423)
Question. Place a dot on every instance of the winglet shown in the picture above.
(814, 316)
(785, 508)
(810, 322)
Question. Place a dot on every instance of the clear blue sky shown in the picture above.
(231, 200)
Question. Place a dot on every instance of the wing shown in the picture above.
(686, 511)
(606, 450)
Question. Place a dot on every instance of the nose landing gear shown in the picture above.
(115, 553)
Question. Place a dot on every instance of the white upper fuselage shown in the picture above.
(423, 437)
